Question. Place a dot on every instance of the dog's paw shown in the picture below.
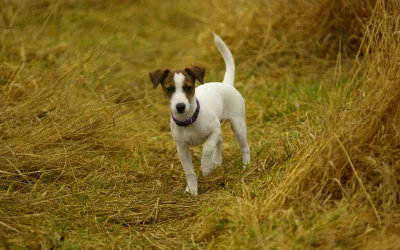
(206, 170)
(207, 167)
(192, 191)
(246, 162)
(246, 159)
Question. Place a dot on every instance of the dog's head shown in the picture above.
(178, 86)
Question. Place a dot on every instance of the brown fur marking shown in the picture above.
(166, 78)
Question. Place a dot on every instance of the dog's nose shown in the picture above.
(180, 107)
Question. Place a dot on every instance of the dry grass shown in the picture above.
(86, 158)
(278, 36)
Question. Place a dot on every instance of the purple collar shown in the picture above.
(189, 121)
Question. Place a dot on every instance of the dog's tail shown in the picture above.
(228, 58)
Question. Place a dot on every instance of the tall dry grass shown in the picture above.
(83, 165)
(283, 34)
(344, 190)
(358, 152)
(57, 139)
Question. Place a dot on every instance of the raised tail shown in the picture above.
(229, 77)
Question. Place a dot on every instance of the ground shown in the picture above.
(86, 156)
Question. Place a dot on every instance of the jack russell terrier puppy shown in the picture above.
(197, 113)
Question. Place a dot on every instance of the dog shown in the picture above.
(197, 113)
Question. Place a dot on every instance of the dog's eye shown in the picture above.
(187, 88)
(170, 89)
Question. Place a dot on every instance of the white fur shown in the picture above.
(229, 77)
(218, 101)
(178, 96)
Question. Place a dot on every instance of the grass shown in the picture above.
(86, 156)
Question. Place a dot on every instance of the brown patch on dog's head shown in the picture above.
(196, 73)
(158, 76)
(188, 85)
(168, 85)
(166, 78)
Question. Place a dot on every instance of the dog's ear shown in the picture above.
(196, 72)
(158, 76)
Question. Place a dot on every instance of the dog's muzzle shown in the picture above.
(180, 107)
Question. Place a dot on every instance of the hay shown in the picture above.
(86, 158)
(358, 152)
(278, 36)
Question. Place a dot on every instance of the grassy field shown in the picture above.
(86, 156)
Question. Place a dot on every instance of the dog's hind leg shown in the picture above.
(239, 128)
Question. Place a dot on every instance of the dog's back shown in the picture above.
(223, 99)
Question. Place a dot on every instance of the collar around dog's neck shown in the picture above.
(189, 121)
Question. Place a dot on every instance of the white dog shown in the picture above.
(197, 113)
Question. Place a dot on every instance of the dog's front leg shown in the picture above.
(218, 152)
(207, 163)
(186, 160)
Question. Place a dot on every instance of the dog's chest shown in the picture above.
(189, 136)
